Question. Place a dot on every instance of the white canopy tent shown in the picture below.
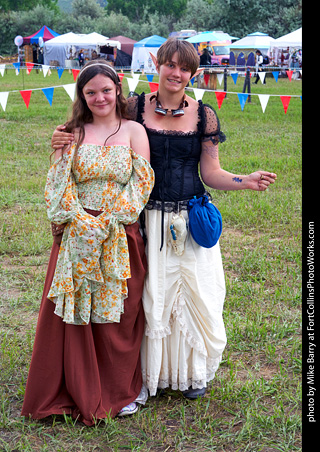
(257, 40)
(141, 53)
(293, 39)
(58, 49)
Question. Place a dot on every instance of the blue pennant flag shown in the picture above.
(192, 81)
(242, 99)
(17, 66)
(60, 71)
(276, 75)
(235, 77)
(149, 77)
(48, 92)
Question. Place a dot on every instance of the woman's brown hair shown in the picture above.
(81, 114)
(187, 54)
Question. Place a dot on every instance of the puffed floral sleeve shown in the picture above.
(89, 283)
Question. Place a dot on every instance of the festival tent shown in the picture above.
(45, 33)
(293, 39)
(59, 49)
(141, 57)
(126, 43)
(253, 41)
(280, 46)
(208, 36)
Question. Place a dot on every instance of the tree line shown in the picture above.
(138, 19)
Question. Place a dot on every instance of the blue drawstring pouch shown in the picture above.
(205, 221)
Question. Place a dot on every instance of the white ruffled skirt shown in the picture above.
(183, 302)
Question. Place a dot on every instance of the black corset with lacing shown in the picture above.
(175, 157)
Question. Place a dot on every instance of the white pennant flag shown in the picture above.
(262, 76)
(264, 99)
(135, 76)
(198, 93)
(132, 83)
(3, 100)
(45, 69)
(2, 68)
(220, 78)
(70, 90)
(17, 71)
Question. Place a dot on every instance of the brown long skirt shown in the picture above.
(93, 370)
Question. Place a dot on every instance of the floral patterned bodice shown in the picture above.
(89, 283)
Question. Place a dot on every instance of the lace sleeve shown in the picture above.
(211, 126)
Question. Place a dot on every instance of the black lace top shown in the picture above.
(175, 155)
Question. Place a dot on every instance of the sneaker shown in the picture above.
(128, 410)
(194, 393)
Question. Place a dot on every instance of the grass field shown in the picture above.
(254, 403)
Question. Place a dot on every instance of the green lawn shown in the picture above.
(254, 403)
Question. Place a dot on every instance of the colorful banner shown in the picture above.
(135, 79)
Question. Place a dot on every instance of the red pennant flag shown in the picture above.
(289, 74)
(153, 86)
(26, 96)
(220, 95)
(75, 73)
(29, 67)
(121, 75)
(206, 78)
(285, 102)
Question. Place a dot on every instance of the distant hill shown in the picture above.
(66, 5)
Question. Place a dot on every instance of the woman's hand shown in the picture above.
(260, 180)
(61, 138)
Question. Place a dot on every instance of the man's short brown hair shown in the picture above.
(187, 54)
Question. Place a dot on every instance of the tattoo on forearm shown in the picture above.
(237, 179)
(210, 147)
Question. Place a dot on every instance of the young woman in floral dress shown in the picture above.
(86, 356)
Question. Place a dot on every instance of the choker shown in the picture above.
(176, 113)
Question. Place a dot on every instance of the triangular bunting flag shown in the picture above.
(198, 93)
(2, 68)
(264, 98)
(3, 99)
(234, 75)
(242, 99)
(276, 75)
(29, 67)
(220, 95)
(70, 89)
(26, 96)
(285, 102)
(60, 71)
(206, 78)
(220, 78)
(192, 80)
(17, 66)
(289, 74)
(135, 76)
(153, 87)
(121, 75)
(48, 92)
(150, 77)
(45, 69)
(75, 73)
(132, 84)
(262, 76)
